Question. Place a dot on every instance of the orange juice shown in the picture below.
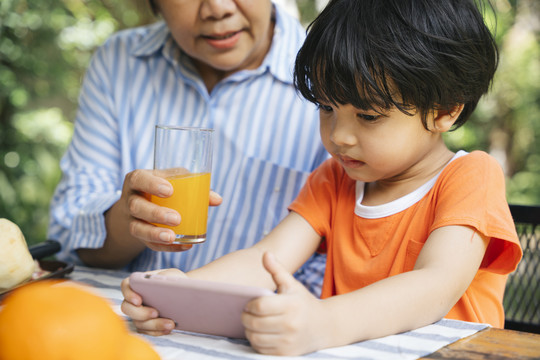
(190, 198)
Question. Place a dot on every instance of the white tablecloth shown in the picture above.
(181, 345)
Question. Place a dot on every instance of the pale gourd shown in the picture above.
(16, 263)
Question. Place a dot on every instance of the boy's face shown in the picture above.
(373, 147)
(223, 35)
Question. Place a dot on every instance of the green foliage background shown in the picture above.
(45, 46)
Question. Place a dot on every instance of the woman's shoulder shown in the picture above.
(139, 40)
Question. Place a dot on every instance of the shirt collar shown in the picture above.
(279, 60)
(152, 40)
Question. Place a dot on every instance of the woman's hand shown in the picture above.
(145, 318)
(139, 214)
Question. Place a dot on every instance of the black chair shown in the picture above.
(522, 295)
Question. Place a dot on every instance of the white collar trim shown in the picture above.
(398, 205)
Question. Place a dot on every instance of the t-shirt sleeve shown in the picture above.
(315, 200)
(472, 193)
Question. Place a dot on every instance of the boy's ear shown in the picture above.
(444, 119)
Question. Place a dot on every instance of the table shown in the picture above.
(492, 343)
(445, 339)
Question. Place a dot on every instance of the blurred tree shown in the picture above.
(507, 120)
(45, 46)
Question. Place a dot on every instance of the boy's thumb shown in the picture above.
(282, 278)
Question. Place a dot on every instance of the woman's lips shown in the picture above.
(223, 41)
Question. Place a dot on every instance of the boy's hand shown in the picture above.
(287, 324)
(145, 318)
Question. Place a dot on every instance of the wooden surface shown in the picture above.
(491, 344)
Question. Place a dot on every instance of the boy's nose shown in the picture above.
(342, 133)
(216, 9)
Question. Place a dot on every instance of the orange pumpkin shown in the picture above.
(136, 348)
(60, 320)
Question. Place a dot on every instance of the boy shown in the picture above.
(413, 232)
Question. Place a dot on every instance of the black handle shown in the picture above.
(44, 249)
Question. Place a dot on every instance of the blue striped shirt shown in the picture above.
(266, 140)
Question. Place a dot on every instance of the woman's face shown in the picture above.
(225, 35)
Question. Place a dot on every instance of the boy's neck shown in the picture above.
(387, 190)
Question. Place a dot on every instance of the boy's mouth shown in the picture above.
(350, 162)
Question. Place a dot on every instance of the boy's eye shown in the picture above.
(368, 117)
(326, 108)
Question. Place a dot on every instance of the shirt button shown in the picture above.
(277, 188)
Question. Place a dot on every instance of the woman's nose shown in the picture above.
(217, 9)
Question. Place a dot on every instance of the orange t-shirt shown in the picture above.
(366, 244)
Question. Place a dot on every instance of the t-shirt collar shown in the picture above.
(398, 205)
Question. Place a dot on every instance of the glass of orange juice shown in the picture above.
(183, 156)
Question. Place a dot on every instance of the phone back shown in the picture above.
(197, 305)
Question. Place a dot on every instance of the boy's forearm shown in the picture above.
(393, 305)
(240, 267)
(246, 266)
(412, 299)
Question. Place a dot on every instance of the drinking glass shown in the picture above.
(183, 156)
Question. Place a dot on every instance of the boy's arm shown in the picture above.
(445, 268)
(293, 241)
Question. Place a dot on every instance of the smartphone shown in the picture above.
(199, 306)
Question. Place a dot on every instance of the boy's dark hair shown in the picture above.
(377, 54)
(153, 6)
